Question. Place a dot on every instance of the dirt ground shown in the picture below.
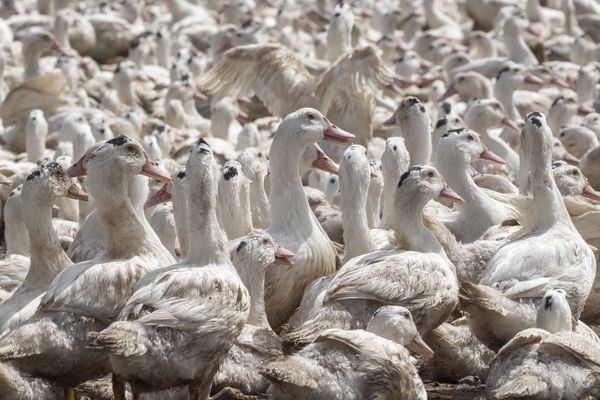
(442, 391)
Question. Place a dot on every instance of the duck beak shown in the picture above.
(75, 192)
(390, 121)
(570, 158)
(418, 346)
(451, 91)
(530, 78)
(473, 172)
(5, 181)
(200, 96)
(489, 155)
(559, 82)
(451, 195)
(337, 135)
(324, 163)
(77, 169)
(284, 256)
(509, 123)
(151, 170)
(531, 30)
(585, 110)
(589, 192)
(162, 196)
(426, 64)
(374, 174)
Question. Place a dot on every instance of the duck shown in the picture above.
(36, 130)
(348, 299)
(511, 285)
(378, 349)
(469, 86)
(457, 149)
(520, 369)
(43, 185)
(517, 49)
(153, 316)
(15, 263)
(256, 167)
(69, 308)
(292, 224)
(339, 32)
(374, 194)
(234, 196)
(413, 123)
(257, 343)
(577, 139)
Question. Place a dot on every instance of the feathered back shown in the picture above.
(272, 72)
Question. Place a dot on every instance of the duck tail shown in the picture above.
(327, 318)
(522, 387)
(481, 296)
(121, 338)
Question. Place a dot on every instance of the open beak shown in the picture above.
(77, 169)
(509, 123)
(489, 155)
(418, 346)
(337, 135)
(451, 195)
(324, 163)
(530, 78)
(589, 192)
(5, 181)
(283, 256)
(162, 196)
(151, 170)
(585, 110)
(570, 158)
(451, 91)
(75, 192)
(559, 82)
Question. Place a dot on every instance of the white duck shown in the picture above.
(377, 364)
(256, 167)
(292, 223)
(77, 300)
(550, 361)
(158, 313)
(234, 199)
(257, 342)
(457, 150)
(339, 33)
(36, 130)
(422, 278)
(413, 121)
(569, 264)
(43, 185)
(15, 263)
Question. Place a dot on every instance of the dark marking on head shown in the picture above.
(118, 141)
(181, 174)
(160, 129)
(135, 43)
(185, 77)
(557, 164)
(422, 109)
(332, 180)
(503, 70)
(411, 101)
(557, 100)
(230, 172)
(242, 244)
(35, 173)
(547, 302)
(446, 107)
(533, 117)
(395, 147)
(456, 130)
(441, 122)
(405, 175)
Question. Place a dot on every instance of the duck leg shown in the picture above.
(69, 393)
(118, 387)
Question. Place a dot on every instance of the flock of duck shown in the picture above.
(299, 200)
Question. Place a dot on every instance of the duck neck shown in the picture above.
(513, 40)
(31, 59)
(220, 126)
(47, 256)
(204, 229)
(260, 202)
(557, 117)
(236, 215)
(255, 283)
(549, 207)
(15, 231)
(456, 173)
(289, 206)
(124, 228)
(417, 138)
(180, 214)
(504, 94)
(373, 204)
(354, 222)
(391, 176)
(409, 225)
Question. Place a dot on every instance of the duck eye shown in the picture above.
(430, 174)
(470, 137)
(311, 116)
(575, 172)
(265, 241)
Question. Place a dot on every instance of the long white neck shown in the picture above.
(31, 60)
(35, 142)
(339, 40)
(556, 318)
(259, 202)
(15, 231)
(558, 116)
(220, 126)
(236, 215)
(204, 229)
(409, 225)
(353, 203)
(47, 256)
(504, 94)
(180, 214)
(391, 177)
(289, 206)
(513, 40)
(417, 138)
(255, 283)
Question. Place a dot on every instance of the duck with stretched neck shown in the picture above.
(553, 254)
(420, 278)
(205, 281)
(293, 225)
(252, 256)
(87, 296)
(256, 167)
(457, 150)
(41, 188)
(234, 197)
(412, 120)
